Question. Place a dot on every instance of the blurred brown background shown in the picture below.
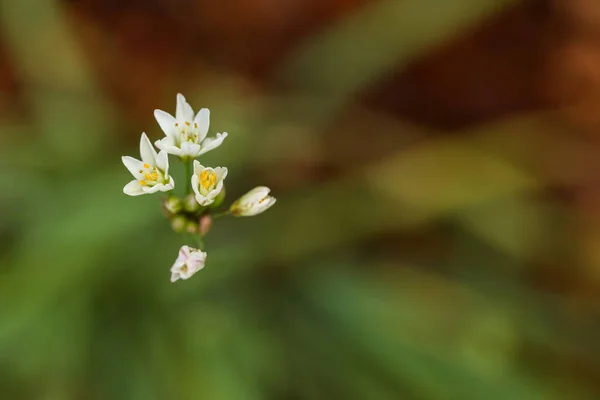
(437, 231)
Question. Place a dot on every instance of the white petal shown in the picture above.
(184, 111)
(210, 196)
(180, 262)
(197, 167)
(133, 188)
(167, 145)
(147, 151)
(175, 276)
(203, 121)
(199, 257)
(203, 201)
(211, 143)
(256, 194)
(167, 141)
(184, 253)
(165, 187)
(266, 204)
(190, 149)
(187, 275)
(162, 161)
(151, 189)
(258, 208)
(134, 166)
(166, 122)
(221, 173)
(171, 184)
(195, 185)
(196, 262)
(213, 193)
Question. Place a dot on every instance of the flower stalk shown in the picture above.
(221, 214)
(188, 175)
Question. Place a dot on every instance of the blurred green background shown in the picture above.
(437, 230)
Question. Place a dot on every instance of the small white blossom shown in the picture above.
(254, 202)
(151, 174)
(207, 182)
(189, 261)
(186, 134)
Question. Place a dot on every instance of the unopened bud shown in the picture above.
(192, 227)
(254, 202)
(190, 204)
(205, 224)
(172, 204)
(178, 223)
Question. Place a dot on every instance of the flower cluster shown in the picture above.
(186, 138)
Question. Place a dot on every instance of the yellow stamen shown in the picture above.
(146, 166)
(154, 176)
(187, 123)
(176, 124)
(148, 177)
(195, 125)
(141, 171)
(207, 179)
(143, 183)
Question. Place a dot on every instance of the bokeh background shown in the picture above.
(437, 231)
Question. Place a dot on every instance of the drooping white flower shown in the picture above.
(207, 182)
(254, 202)
(189, 261)
(186, 134)
(151, 174)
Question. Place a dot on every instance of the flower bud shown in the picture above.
(172, 204)
(252, 203)
(190, 204)
(205, 224)
(178, 223)
(192, 227)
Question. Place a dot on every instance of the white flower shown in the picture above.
(151, 174)
(254, 202)
(189, 261)
(207, 182)
(186, 134)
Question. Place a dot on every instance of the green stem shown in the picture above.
(188, 174)
(221, 214)
(200, 242)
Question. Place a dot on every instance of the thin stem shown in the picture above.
(188, 174)
(200, 242)
(221, 214)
